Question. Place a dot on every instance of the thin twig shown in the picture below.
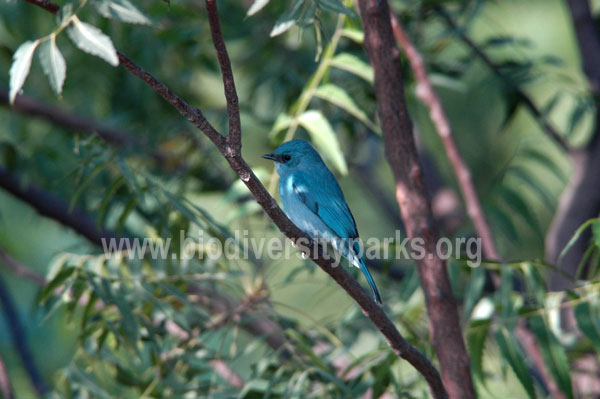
(521, 95)
(398, 344)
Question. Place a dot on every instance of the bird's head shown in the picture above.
(294, 155)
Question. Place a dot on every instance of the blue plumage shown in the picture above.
(313, 200)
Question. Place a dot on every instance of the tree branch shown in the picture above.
(20, 341)
(521, 95)
(52, 207)
(29, 106)
(427, 94)
(233, 155)
(413, 199)
(234, 139)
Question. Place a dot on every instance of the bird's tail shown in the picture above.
(351, 251)
(363, 268)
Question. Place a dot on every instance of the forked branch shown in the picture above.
(231, 150)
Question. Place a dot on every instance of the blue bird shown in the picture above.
(314, 201)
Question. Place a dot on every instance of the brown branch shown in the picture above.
(520, 94)
(233, 155)
(56, 115)
(5, 385)
(413, 199)
(234, 139)
(427, 94)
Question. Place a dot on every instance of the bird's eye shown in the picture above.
(286, 158)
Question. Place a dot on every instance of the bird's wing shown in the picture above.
(326, 200)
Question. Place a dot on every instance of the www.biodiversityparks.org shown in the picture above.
(242, 246)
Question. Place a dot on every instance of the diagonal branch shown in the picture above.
(427, 94)
(48, 205)
(233, 155)
(29, 106)
(412, 197)
(437, 114)
(521, 95)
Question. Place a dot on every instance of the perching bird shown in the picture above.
(313, 200)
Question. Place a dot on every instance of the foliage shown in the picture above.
(155, 327)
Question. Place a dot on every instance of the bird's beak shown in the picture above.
(272, 157)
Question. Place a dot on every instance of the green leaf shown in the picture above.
(582, 107)
(91, 40)
(128, 321)
(474, 290)
(324, 138)
(576, 236)
(588, 322)
(256, 7)
(129, 207)
(122, 10)
(523, 175)
(282, 122)
(53, 64)
(541, 158)
(106, 200)
(20, 67)
(354, 65)
(553, 353)
(304, 347)
(62, 276)
(514, 200)
(409, 284)
(596, 232)
(476, 336)
(535, 282)
(446, 82)
(86, 182)
(288, 19)
(338, 96)
(512, 354)
(503, 221)
(383, 378)
(335, 6)
(356, 35)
